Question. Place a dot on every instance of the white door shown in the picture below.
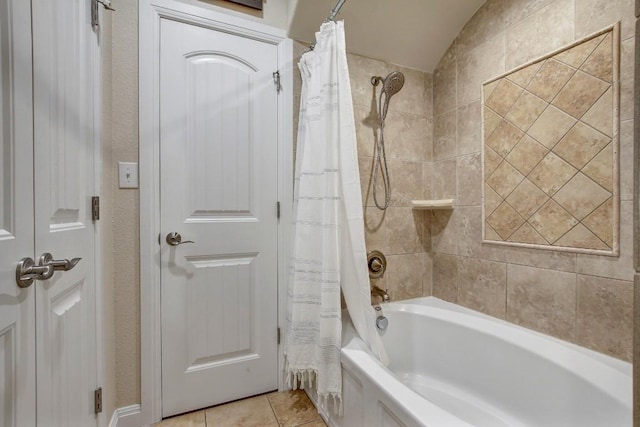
(17, 305)
(218, 186)
(48, 183)
(64, 49)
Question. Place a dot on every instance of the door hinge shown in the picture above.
(97, 400)
(95, 208)
(278, 335)
(278, 209)
(276, 81)
(95, 14)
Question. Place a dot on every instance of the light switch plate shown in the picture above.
(128, 174)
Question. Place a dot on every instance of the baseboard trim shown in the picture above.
(127, 416)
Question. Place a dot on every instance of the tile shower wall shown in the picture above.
(586, 299)
(401, 233)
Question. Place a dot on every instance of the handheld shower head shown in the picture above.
(390, 86)
(392, 83)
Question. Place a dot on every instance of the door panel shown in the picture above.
(218, 167)
(64, 48)
(17, 309)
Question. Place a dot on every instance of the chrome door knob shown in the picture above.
(175, 239)
(58, 264)
(27, 271)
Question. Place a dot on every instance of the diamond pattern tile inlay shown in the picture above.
(550, 149)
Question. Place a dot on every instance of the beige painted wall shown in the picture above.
(585, 299)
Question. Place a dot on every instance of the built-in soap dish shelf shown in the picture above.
(432, 204)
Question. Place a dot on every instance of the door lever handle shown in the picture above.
(27, 271)
(175, 239)
(58, 264)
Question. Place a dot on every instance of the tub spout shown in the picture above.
(377, 292)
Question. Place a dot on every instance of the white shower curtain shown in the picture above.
(329, 252)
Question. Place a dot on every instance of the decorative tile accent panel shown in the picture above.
(550, 150)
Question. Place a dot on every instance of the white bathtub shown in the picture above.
(452, 367)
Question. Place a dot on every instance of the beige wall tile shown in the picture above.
(552, 221)
(527, 234)
(487, 22)
(581, 237)
(600, 116)
(404, 231)
(627, 69)
(580, 145)
(600, 63)
(445, 277)
(526, 155)
(443, 231)
(605, 315)
(523, 76)
(406, 137)
(504, 138)
(505, 220)
(551, 174)
(469, 131)
(503, 97)
(517, 10)
(427, 278)
(613, 267)
(544, 300)
(366, 121)
(476, 66)
(594, 15)
(482, 286)
(444, 88)
(505, 179)
(526, 199)
(444, 136)
(581, 196)
(491, 200)
(375, 229)
(626, 160)
(411, 99)
(361, 70)
(490, 122)
(526, 111)
(444, 179)
(579, 94)
(427, 175)
(406, 182)
(491, 161)
(551, 78)
(576, 56)
(469, 179)
(404, 276)
(543, 31)
(600, 222)
(551, 126)
(600, 169)
(365, 165)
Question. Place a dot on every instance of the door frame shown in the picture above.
(150, 14)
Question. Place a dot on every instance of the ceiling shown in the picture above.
(411, 33)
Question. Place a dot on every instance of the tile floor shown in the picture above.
(285, 409)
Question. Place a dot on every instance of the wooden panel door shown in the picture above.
(17, 308)
(218, 166)
(65, 93)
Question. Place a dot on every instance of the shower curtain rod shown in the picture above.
(336, 10)
(331, 17)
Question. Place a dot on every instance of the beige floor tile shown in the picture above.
(192, 419)
(252, 412)
(316, 423)
(293, 408)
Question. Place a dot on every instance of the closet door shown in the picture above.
(65, 93)
(17, 315)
